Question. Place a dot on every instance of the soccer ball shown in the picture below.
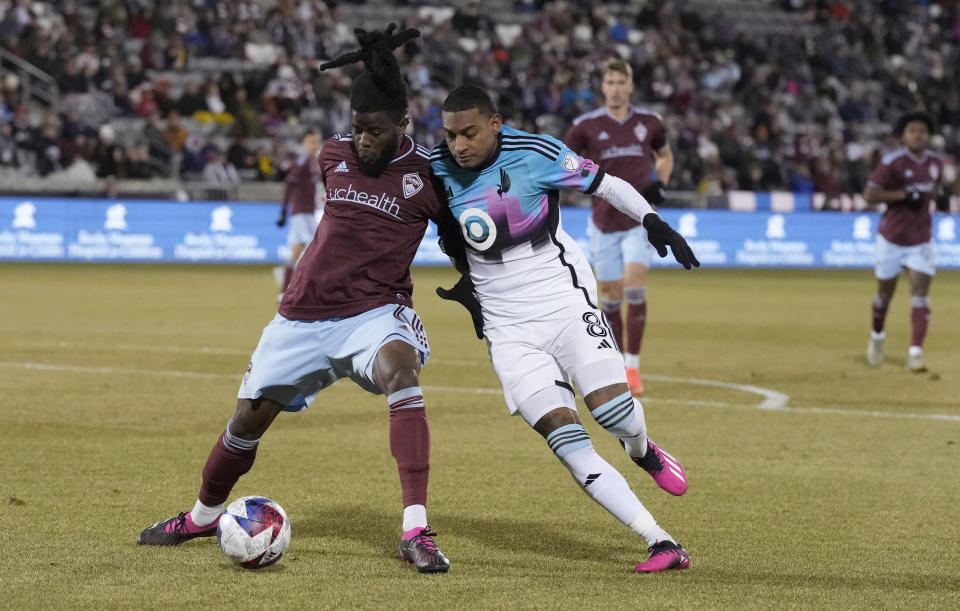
(253, 531)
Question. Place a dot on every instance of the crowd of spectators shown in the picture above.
(220, 90)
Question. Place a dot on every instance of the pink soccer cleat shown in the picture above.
(664, 556)
(663, 468)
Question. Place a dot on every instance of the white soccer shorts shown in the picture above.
(536, 355)
(302, 228)
(296, 359)
(890, 258)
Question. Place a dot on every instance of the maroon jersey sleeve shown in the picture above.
(301, 186)
(883, 176)
(577, 139)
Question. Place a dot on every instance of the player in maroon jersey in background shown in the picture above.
(630, 143)
(907, 180)
(348, 311)
(300, 205)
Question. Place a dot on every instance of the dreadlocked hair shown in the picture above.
(380, 86)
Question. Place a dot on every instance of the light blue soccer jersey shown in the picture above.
(520, 257)
(510, 201)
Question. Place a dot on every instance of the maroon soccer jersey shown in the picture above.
(622, 148)
(902, 224)
(300, 194)
(369, 233)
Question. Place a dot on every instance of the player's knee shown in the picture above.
(881, 301)
(399, 378)
(253, 417)
(636, 295)
(611, 291)
(611, 306)
(556, 419)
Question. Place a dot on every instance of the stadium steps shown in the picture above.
(755, 17)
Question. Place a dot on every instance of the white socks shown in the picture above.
(203, 515)
(603, 483)
(645, 526)
(414, 516)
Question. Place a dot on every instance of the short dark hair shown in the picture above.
(468, 97)
(380, 86)
(920, 116)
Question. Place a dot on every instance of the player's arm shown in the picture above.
(874, 194)
(656, 192)
(282, 219)
(293, 177)
(881, 188)
(621, 195)
(567, 170)
(663, 163)
(452, 245)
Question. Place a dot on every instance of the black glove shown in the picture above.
(943, 202)
(655, 193)
(661, 235)
(912, 200)
(463, 293)
(282, 219)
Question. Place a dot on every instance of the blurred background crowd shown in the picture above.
(758, 95)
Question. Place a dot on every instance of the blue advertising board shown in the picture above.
(229, 232)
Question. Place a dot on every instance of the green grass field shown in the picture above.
(118, 380)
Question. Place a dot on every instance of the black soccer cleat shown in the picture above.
(421, 551)
(175, 531)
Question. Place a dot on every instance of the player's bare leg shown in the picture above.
(919, 318)
(396, 371)
(569, 441)
(286, 272)
(635, 292)
(878, 314)
(231, 457)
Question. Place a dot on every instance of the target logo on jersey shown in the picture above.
(254, 532)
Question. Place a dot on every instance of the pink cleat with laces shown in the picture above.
(418, 548)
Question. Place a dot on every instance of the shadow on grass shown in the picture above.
(886, 582)
(378, 529)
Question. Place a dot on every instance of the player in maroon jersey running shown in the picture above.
(628, 142)
(299, 206)
(348, 311)
(907, 181)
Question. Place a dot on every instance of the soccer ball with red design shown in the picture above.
(253, 532)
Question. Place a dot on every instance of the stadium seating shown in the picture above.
(758, 95)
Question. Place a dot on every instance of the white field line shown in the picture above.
(772, 400)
